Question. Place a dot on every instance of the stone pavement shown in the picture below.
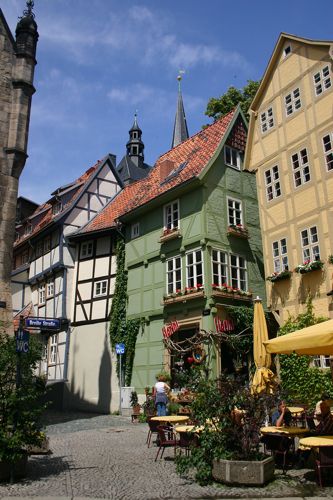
(105, 456)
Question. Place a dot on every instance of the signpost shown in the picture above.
(22, 341)
(44, 323)
(120, 350)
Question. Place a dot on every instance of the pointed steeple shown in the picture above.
(135, 145)
(180, 131)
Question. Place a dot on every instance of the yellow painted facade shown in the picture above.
(295, 196)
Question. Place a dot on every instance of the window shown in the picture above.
(101, 288)
(174, 274)
(292, 101)
(171, 215)
(321, 361)
(39, 249)
(25, 257)
(280, 257)
(50, 288)
(272, 180)
(56, 208)
(238, 272)
(234, 212)
(310, 244)
(194, 269)
(287, 50)
(328, 149)
(232, 157)
(266, 120)
(53, 349)
(322, 80)
(219, 267)
(135, 230)
(47, 244)
(41, 294)
(27, 229)
(86, 249)
(301, 169)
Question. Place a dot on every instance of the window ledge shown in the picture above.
(231, 295)
(238, 232)
(170, 236)
(183, 298)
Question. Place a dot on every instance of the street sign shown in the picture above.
(22, 341)
(45, 323)
(120, 348)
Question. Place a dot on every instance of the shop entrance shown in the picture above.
(182, 361)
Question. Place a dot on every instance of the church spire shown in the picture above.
(180, 131)
(135, 145)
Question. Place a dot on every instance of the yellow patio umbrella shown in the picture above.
(263, 378)
(312, 340)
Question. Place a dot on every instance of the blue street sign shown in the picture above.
(120, 348)
(22, 341)
(46, 323)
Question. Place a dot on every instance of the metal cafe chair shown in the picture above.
(166, 439)
(324, 460)
(279, 446)
(187, 441)
(152, 424)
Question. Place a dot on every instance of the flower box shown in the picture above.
(308, 266)
(169, 234)
(231, 293)
(283, 275)
(190, 295)
(238, 231)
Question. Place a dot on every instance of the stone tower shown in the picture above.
(17, 65)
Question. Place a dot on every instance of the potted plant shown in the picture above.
(20, 405)
(134, 402)
(229, 450)
(148, 406)
(283, 275)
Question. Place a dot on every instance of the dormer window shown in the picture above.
(56, 208)
(232, 157)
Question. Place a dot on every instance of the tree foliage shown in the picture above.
(299, 379)
(220, 106)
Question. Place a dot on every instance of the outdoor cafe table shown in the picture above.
(172, 419)
(295, 410)
(188, 428)
(289, 431)
(316, 441)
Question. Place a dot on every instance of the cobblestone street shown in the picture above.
(106, 457)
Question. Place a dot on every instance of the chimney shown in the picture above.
(166, 166)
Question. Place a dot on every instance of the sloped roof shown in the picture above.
(27, 311)
(128, 170)
(189, 159)
(44, 211)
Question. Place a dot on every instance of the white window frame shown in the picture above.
(56, 208)
(41, 294)
(220, 267)
(135, 230)
(272, 183)
(322, 362)
(328, 151)
(310, 243)
(193, 276)
(280, 255)
(235, 211)
(300, 167)
(171, 215)
(50, 288)
(267, 120)
(174, 274)
(53, 349)
(238, 273)
(322, 80)
(86, 249)
(25, 257)
(235, 158)
(100, 288)
(292, 101)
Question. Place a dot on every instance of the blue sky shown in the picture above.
(100, 60)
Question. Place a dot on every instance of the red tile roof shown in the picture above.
(43, 213)
(194, 154)
(27, 310)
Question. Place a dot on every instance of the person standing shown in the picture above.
(160, 394)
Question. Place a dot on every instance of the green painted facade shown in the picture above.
(203, 224)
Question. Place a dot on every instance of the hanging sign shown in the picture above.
(169, 329)
(223, 325)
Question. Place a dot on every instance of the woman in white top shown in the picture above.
(160, 394)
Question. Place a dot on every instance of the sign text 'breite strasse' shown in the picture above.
(46, 323)
(169, 329)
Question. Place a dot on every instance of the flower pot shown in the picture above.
(243, 472)
(43, 449)
(20, 468)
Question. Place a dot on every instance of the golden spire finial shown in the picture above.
(179, 78)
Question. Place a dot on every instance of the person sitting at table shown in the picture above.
(282, 415)
(324, 397)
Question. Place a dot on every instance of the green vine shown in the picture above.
(123, 330)
(302, 381)
(242, 338)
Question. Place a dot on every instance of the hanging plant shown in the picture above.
(123, 330)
